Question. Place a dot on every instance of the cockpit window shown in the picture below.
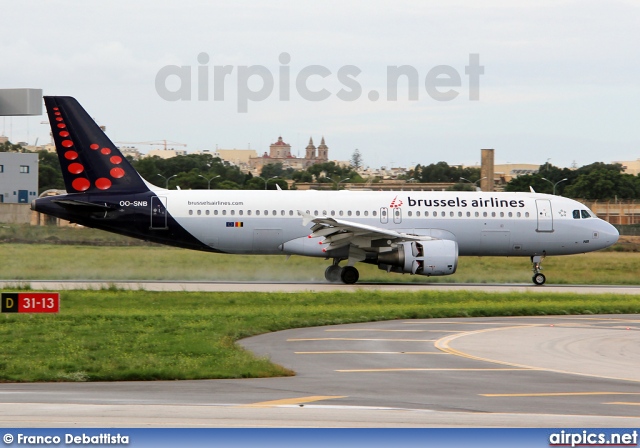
(576, 214)
(585, 214)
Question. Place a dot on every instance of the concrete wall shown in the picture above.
(15, 213)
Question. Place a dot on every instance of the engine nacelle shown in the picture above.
(429, 257)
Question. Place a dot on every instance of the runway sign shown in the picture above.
(30, 302)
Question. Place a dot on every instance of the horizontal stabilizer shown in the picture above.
(82, 206)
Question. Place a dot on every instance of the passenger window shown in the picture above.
(349, 213)
(526, 215)
(240, 212)
(257, 212)
(324, 213)
(215, 212)
(274, 212)
(366, 213)
(358, 213)
(206, 212)
(468, 214)
(374, 213)
(224, 212)
(493, 214)
(199, 212)
(484, 214)
(510, 214)
(249, 212)
(576, 214)
(341, 213)
(502, 214)
(426, 214)
(443, 214)
(233, 212)
(585, 214)
(282, 212)
(459, 214)
(518, 215)
(451, 214)
(191, 212)
(266, 213)
(409, 214)
(290, 212)
(418, 214)
(477, 214)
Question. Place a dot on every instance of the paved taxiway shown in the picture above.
(51, 285)
(552, 371)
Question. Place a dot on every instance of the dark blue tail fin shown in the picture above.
(90, 162)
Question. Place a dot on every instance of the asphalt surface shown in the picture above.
(565, 371)
(315, 287)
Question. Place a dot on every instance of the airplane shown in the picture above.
(409, 232)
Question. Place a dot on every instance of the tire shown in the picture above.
(332, 273)
(539, 279)
(349, 275)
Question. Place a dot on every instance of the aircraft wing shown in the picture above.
(340, 232)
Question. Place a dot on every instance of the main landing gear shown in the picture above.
(538, 277)
(347, 274)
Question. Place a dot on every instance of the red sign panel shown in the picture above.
(31, 302)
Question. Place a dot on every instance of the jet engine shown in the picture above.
(427, 257)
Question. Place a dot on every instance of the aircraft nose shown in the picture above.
(608, 234)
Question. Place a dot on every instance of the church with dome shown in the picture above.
(280, 152)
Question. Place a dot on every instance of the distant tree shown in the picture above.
(462, 186)
(49, 172)
(604, 184)
(524, 182)
(188, 168)
(10, 147)
(302, 176)
(356, 160)
(228, 185)
(272, 170)
(443, 172)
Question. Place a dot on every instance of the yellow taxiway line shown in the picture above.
(291, 401)
(560, 394)
(419, 369)
(359, 339)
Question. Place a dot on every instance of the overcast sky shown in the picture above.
(561, 79)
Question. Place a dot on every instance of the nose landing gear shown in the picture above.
(538, 277)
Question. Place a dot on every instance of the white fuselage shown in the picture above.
(270, 222)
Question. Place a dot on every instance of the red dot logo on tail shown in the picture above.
(103, 183)
(81, 184)
(71, 155)
(75, 168)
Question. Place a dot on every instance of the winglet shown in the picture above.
(531, 188)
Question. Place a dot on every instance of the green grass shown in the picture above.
(114, 335)
(63, 262)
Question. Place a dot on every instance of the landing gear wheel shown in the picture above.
(539, 279)
(332, 273)
(536, 262)
(349, 275)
